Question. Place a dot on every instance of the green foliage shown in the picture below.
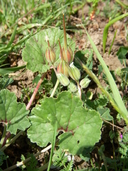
(5, 81)
(94, 2)
(116, 95)
(105, 33)
(124, 146)
(73, 119)
(2, 157)
(12, 114)
(66, 110)
(36, 47)
(61, 161)
(122, 54)
(32, 165)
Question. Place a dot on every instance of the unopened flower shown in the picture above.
(74, 72)
(50, 55)
(84, 83)
(67, 55)
(63, 79)
(63, 68)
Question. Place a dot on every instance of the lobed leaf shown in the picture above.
(80, 127)
(12, 114)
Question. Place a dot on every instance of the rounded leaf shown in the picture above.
(12, 114)
(81, 127)
(35, 48)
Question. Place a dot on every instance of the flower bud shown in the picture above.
(63, 79)
(72, 87)
(84, 83)
(63, 68)
(67, 55)
(50, 55)
(74, 72)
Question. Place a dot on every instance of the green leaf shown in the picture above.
(86, 57)
(6, 71)
(12, 114)
(105, 33)
(105, 113)
(80, 127)
(122, 54)
(113, 86)
(34, 51)
(5, 81)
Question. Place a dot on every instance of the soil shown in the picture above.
(23, 79)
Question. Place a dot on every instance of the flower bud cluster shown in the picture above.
(66, 67)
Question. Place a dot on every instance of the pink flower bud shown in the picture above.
(63, 68)
(50, 55)
(67, 55)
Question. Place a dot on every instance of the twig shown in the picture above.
(112, 124)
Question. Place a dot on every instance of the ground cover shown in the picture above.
(46, 99)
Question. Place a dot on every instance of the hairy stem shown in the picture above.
(35, 92)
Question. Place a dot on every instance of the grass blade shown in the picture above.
(6, 71)
(105, 33)
(113, 86)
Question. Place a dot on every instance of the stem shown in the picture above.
(61, 54)
(28, 159)
(11, 141)
(79, 7)
(79, 90)
(95, 79)
(104, 158)
(122, 4)
(3, 136)
(112, 124)
(48, 43)
(112, 42)
(65, 39)
(35, 92)
(53, 145)
(55, 87)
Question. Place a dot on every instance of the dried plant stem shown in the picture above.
(35, 92)
(28, 159)
(112, 124)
